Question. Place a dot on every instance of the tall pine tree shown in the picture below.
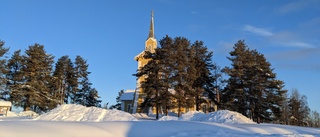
(84, 90)
(37, 78)
(15, 79)
(4, 93)
(252, 88)
(65, 80)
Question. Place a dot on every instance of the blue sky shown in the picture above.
(108, 34)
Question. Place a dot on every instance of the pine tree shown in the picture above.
(118, 105)
(4, 93)
(298, 108)
(84, 91)
(252, 88)
(92, 100)
(153, 84)
(65, 80)
(202, 67)
(234, 94)
(37, 77)
(15, 79)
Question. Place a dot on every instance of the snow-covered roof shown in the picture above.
(127, 95)
(5, 103)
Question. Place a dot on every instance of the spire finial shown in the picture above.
(151, 31)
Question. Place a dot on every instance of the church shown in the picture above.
(131, 100)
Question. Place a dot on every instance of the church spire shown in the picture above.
(151, 31)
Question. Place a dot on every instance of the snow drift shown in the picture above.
(221, 116)
(71, 112)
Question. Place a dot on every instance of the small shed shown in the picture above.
(4, 107)
(126, 100)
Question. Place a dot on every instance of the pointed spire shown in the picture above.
(151, 31)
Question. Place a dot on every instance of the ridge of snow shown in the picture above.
(72, 112)
(221, 116)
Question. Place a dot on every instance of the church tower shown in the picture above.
(150, 45)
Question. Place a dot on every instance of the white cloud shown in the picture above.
(296, 6)
(258, 31)
(289, 39)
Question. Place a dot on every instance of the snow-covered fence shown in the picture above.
(4, 107)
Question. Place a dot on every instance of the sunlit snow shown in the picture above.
(80, 121)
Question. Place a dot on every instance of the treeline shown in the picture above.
(251, 87)
(33, 81)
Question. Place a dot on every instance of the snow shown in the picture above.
(80, 121)
(168, 118)
(222, 116)
(28, 114)
(68, 112)
(128, 95)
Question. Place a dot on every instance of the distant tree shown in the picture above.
(285, 115)
(298, 109)
(4, 93)
(118, 105)
(314, 119)
(92, 99)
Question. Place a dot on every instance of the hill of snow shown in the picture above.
(221, 116)
(71, 112)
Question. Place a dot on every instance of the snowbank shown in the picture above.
(221, 116)
(12, 114)
(28, 114)
(140, 115)
(168, 118)
(71, 112)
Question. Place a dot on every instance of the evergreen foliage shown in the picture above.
(298, 109)
(178, 75)
(252, 88)
(65, 80)
(118, 105)
(30, 82)
(84, 94)
(15, 78)
(37, 77)
(4, 93)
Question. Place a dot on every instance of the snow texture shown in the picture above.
(28, 114)
(222, 116)
(168, 118)
(70, 112)
(95, 122)
(128, 95)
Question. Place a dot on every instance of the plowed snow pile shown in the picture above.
(71, 112)
(221, 116)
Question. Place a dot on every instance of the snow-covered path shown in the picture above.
(148, 129)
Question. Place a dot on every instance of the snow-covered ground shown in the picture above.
(79, 121)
